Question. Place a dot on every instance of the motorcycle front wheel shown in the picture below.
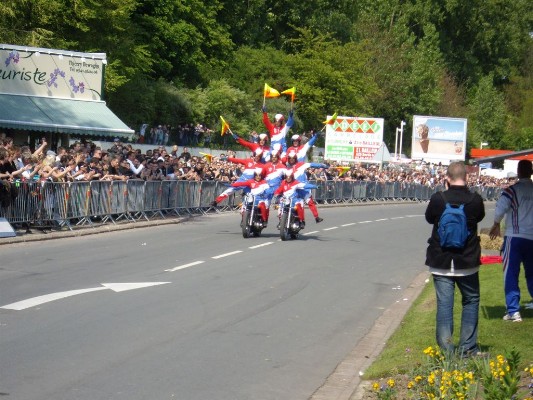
(283, 227)
(246, 224)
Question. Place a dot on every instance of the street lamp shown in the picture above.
(483, 144)
(400, 130)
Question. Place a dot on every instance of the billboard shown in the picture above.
(51, 73)
(439, 138)
(353, 139)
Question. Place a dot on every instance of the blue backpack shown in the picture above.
(453, 230)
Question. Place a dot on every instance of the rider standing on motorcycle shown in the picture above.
(263, 145)
(301, 149)
(278, 130)
(250, 164)
(259, 188)
(299, 169)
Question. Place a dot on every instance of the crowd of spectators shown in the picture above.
(86, 161)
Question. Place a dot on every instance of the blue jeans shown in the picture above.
(445, 290)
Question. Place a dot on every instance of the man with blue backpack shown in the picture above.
(453, 256)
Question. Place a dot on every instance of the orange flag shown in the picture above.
(331, 119)
(342, 170)
(209, 157)
(291, 91)
(270, 92)
(225, 126)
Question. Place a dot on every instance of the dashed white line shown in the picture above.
(261, 245)
(226, 254)
(365, 222)
(382, 219)
(184, 266)
(350, 224)
(310, 233)
(397, 217)
(330, 229)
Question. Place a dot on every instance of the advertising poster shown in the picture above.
(439, 138)
(353, 139)
(51, 73)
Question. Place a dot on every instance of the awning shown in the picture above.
(47, 114)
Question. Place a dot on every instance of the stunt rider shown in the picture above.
(291, 188)
(250, 164)
(278, 130)
(260, 188)
(263, 145)
(299, 168)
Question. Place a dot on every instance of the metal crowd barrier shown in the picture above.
(48, 204)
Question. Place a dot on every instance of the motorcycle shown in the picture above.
(290, 224)
(252, 223)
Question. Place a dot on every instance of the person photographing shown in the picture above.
(455, 260)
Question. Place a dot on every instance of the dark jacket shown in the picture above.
(469, 257)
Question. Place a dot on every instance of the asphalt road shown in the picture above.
(195, 311)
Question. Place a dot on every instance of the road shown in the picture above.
(195, 311)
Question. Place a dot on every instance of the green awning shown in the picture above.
(47, 114)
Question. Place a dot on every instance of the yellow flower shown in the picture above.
(391, 383)
(375, 386)
(410, 385)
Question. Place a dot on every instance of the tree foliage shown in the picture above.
(177, 61)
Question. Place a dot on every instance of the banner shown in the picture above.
(439, 138)
(353, 139)
(51, 73)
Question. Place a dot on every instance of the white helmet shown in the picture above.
(279, 117)
(263, 136)
(292, 154)
(258, 151)
(276, 150)
(288, 173)
(296, 137)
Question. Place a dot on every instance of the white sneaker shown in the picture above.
(515, 317)
(529, 306)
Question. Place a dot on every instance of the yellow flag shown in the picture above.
(209, 157)
(225, 126)
(331, 119)
(270, 92)
(342, 170)
(291, 91)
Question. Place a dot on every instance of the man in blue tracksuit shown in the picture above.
(516, 205)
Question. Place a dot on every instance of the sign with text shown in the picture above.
(51, 73)
(353, 139)
(439, 138)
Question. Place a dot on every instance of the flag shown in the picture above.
(270, 92)
(209, 157)
(291, 91)
(342, 170)
(225, 126)
(331, 119)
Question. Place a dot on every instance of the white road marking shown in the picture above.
(35, 301)
(309, 233)
(116, 287)
(365, 222)
(122, 287)
(397, 217)
(330, 229)
(184, 266)
(350, 224)
(382, 219)
(226, 254)
(415, 215)
(261, 245)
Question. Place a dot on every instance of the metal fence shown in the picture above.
(48, 204)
